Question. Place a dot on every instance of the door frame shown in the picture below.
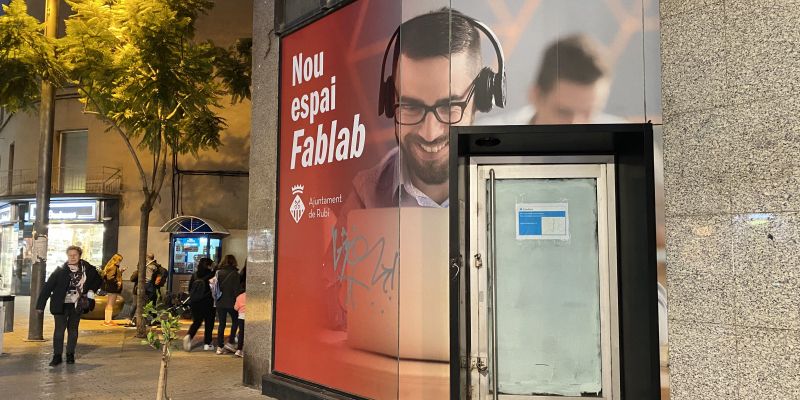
(631, 147)
(601, 169)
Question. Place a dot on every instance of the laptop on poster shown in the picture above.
(415, 325)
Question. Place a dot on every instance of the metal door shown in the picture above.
(543, 284)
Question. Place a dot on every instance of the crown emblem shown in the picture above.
(297, 208)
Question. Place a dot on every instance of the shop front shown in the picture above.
(10, 275)
(91, 223)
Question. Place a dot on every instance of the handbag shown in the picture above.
(84, 304)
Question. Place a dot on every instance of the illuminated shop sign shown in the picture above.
(69, 211)
(5, 214)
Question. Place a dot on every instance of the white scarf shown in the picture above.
(73, 298)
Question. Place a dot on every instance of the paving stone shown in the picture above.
(112, 363)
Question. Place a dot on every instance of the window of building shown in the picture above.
(73, 152)
(10, 178)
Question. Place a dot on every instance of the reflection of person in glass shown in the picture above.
(436, 81)
(571, 87)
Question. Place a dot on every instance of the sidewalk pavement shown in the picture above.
(112, 363)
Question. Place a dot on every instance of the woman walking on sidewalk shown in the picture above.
(112, 284)
(202, 305)
(71, 289)
(227, 280)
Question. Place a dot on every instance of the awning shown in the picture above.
(190, 224)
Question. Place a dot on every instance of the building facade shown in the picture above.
(728, 70)
(93, 169)
(314, 344)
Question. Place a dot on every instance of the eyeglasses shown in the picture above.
(447, 113)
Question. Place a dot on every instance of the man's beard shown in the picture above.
(433, 172)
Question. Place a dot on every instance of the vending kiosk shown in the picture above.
(191, 238)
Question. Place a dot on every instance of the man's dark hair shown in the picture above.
(438, 34)
(76, 248)
(573, 58)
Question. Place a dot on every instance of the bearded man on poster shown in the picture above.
(436, 80)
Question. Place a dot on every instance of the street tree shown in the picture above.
(26, 58)
(137, 66)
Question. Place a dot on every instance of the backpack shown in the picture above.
(159, 276)
(199, 291)
(216, 292)
(216, 285)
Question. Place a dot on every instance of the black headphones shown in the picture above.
(490, 87)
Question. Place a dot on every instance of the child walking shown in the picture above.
(239, 307)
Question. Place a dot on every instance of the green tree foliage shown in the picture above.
(137, 67)
(233, 68)
(26, 57)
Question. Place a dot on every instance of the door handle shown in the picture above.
(481, 366)
(455, 264)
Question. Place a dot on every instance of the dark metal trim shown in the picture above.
(455, 254)
(286, 387)
(284, 29)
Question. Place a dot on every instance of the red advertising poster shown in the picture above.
(330, 273)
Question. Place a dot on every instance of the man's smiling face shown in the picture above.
(425, 146)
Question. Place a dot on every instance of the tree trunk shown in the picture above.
(141, 297)
(162, 374)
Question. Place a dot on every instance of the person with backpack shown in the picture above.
(202, 305)
(155, 279)
(227, 288)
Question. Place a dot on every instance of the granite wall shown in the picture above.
(731, 72)
(263, 173)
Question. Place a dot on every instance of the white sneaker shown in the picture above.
(187, 343)
(208, 347)
(239, 353)
(220, 351)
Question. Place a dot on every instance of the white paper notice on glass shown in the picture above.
(540, 221)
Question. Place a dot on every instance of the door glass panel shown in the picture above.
(214, 250)
(8, 257)
(547, 282)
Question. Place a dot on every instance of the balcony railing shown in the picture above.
(100, 180)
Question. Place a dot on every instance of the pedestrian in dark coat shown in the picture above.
(65, 288)
(202, 305)
(227, 278)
